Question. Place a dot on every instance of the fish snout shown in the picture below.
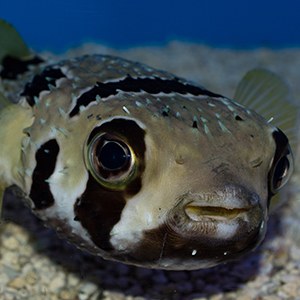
(215, 227)
(224, 205)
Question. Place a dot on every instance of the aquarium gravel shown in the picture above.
(35, 264)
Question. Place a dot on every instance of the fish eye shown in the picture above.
(110, 160)
(282, 171)
(283, 163)
(112, 155)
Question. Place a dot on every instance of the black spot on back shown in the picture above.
(46, 158)
(238, 118)
(153, 85)
(195, 124)
(13, 66)
(40, 83)
(165, 111)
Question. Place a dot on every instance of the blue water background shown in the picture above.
(60, 24)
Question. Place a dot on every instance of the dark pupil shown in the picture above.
(112, 156)
(280, 171)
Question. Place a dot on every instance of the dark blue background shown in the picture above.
(59, 24)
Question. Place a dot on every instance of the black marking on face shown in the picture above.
(99, 208)
(45, 157)
(13, 66)
(41, 83)
(150, 85)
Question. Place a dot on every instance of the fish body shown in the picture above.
(140, 166)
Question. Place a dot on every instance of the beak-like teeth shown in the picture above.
(198, 213)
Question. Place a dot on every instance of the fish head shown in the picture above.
(169, 190)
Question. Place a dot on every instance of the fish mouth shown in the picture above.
(197, 212)
(218, 217)
(231, 203)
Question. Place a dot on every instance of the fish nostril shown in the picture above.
(199, 213)
(179, 159)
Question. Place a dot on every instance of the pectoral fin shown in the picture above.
(267, 94)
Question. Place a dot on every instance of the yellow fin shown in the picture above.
(267, 94)
(11, 42)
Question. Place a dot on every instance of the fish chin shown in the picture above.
(200, 234)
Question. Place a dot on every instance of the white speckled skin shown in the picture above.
(204, 189)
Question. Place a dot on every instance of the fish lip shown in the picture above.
(218, 213)
(221, 205)
(230, 197)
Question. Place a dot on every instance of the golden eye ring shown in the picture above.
(111, 161)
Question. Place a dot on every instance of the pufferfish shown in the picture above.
(138, 165)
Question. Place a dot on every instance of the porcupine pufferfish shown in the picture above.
(138, 165)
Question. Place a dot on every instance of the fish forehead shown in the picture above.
(195, 122)
(203, 150)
